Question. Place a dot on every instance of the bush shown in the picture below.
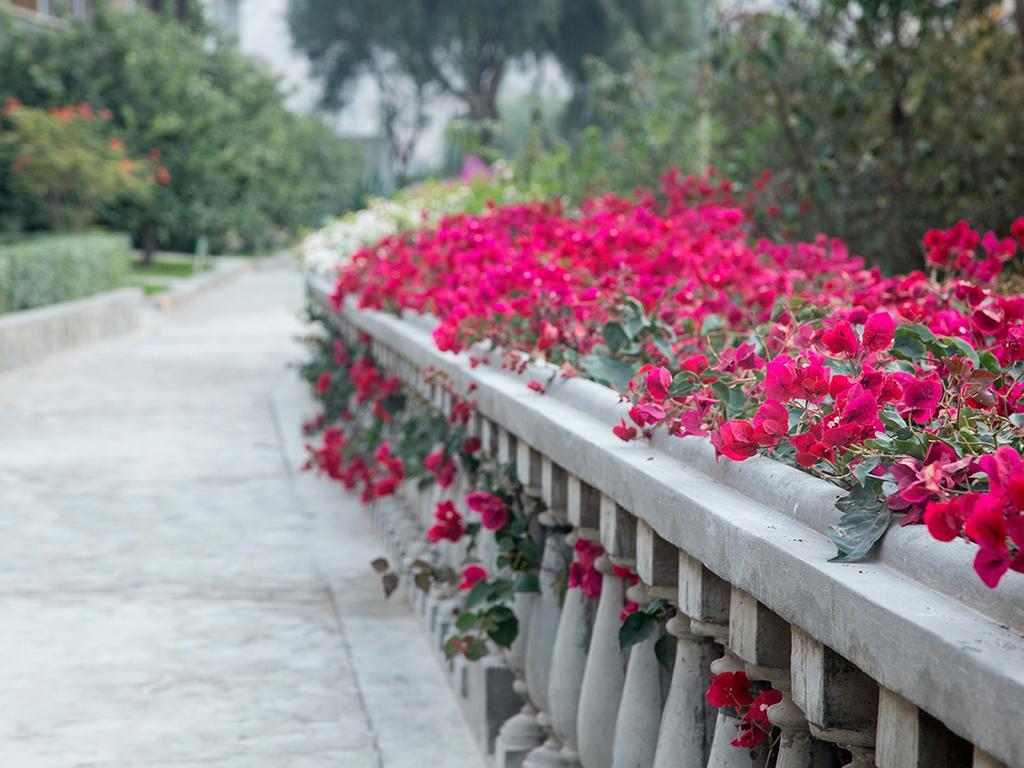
(65, 161)
(244, 171)
(52, 268)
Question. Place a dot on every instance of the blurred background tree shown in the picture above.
(429, 49)
(243, 171)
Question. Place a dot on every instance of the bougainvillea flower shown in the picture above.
(471, 574)
(323, 383)
(448, 523)
(492, 510)
(625, 432)
(582, 572)
(921, 399)
(729, 689)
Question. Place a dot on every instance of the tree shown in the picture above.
(243, 170)
(461, 48)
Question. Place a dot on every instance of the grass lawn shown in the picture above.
(173, 265)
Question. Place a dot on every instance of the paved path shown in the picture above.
(172, 593)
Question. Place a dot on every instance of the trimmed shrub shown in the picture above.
(52, 268)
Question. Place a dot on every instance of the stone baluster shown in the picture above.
(605, 672)
(763, 640)
(640, 711)
(521, 733)
(704, 598)
(639, 716)
(548, 611)
(910, 738)
(983, 759)
(569, 658)
(839, 701)
(684, 732)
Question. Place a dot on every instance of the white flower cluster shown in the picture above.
(322, 251)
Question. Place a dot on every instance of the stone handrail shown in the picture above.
(902, 660)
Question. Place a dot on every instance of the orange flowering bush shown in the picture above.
(67, 161)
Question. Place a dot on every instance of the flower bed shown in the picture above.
(52, 268)
(905, 390)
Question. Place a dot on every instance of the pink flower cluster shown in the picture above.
(910, 385)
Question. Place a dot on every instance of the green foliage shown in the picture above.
(65, 161)
(52, 268)
(244, 171)
(867, 135)
(865, 520)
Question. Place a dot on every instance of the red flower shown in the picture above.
(658, 382)
(735, 440)
(841, 340)
(441, 467)
(729, 689)
(471, 444)
(624, 432)
(536, 386)
(448, 523)
(878, 332)
(471, 574)
(492, 510)
(945, 519)
(323, 383)
(755, 727)
(921, 399)
(582, 573)
(648, 414)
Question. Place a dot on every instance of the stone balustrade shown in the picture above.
(903, 661)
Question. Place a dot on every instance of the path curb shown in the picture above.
(33, 334)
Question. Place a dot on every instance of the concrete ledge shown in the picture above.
(33, 334)
(916, 619)
(180, 294)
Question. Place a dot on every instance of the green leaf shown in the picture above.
(466, 620)
(477, 650)
(614, 336)
(907, 343)
(865, 519)
(479, 592)
(952, 346)
(711, 323)
(606, 370)
(526, 582)
(665, 651)
(682, 385)
(864, 468)
(505, 625)
(637, 627)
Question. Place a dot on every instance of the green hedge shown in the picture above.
(53, 268)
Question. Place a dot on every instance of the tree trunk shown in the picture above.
(149, 243)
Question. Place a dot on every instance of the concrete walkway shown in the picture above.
(172, 593)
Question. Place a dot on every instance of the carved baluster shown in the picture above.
(684, 732)
(521, 733)
(910, 738)
(839, 701)
(548, 611)
(605, 672)
(579, 611)
(763, 640)
(639, 717)
(704, 598)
